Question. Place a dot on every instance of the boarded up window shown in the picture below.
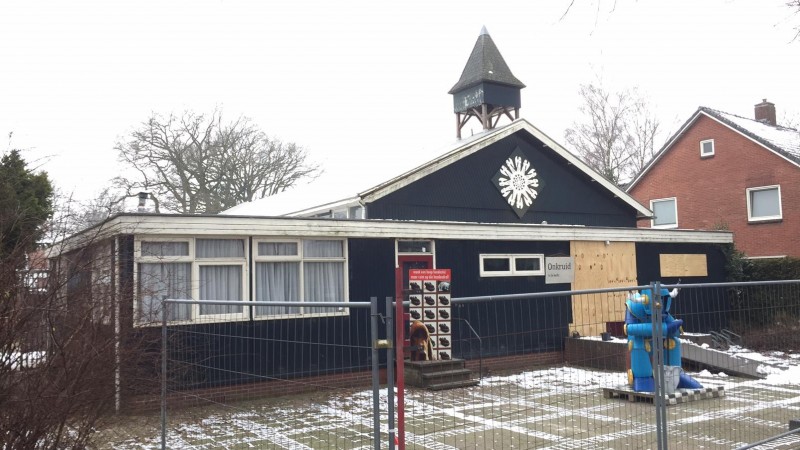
(600, 265)
(682, 265)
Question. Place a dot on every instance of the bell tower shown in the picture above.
(487, 90)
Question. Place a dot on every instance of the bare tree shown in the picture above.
(645, 131)
(59, 349)
(617, 133)
(790, 119)
(794, 5)
(198, 163)
(71, 216)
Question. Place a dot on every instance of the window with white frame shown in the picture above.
(298, 271)
(665, 213)
(706, 148)
(764, 203)
(220, 275)
(355, 212)
(511, 265)
(414, 246)
(186, 268)
(164, 271)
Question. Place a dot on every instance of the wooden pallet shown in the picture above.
(680, 396)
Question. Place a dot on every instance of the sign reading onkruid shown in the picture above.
(559, 269)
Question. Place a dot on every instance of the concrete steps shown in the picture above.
(438, 375)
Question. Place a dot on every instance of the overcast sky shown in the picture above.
(363, 84)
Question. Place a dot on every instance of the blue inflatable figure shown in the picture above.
(639, 329)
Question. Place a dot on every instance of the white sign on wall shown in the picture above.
(559, 269)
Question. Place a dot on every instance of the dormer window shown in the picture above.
(707, 148)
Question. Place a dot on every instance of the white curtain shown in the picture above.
(277, 248)
(157, 281)
(277, 282)
(220, 283)
(322, 249)
(220, 248)
(158, 248)
(323, 282)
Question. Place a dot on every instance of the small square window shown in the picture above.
(355, 212)
(522, 264)
(706, 148)
(665, 211)
(764, 203)
(497, 265)
(404, 246)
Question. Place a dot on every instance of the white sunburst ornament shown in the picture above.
(517, 182)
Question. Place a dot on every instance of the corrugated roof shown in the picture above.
(485, 64)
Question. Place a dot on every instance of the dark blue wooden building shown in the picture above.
(493, 209)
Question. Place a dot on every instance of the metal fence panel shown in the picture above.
(541, 378)
(277, 383)
(542, 382)
(746, 341)
(549, 382)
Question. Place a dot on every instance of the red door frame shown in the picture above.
(400, 338)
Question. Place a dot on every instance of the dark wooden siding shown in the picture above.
(464, 192)
(702, 309)
(214, 354)
(489, 93)
(509, 326)
(371, 269)
(235, 352)
(502, 95)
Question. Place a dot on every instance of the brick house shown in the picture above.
(724, 171)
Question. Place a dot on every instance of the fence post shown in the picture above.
(164, 373)
(656, 305)
(390, 352)
(376, 385)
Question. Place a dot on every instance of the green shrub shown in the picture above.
(773, 269)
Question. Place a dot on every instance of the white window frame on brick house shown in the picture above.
(749, 194)
(703, 153)
(512, 270)
(653, 223)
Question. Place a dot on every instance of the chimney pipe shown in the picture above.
(765, 112)
(142, 201)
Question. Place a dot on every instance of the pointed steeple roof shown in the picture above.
(485, 64)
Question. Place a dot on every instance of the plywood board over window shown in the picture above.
(683, 265)
(601, 265)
